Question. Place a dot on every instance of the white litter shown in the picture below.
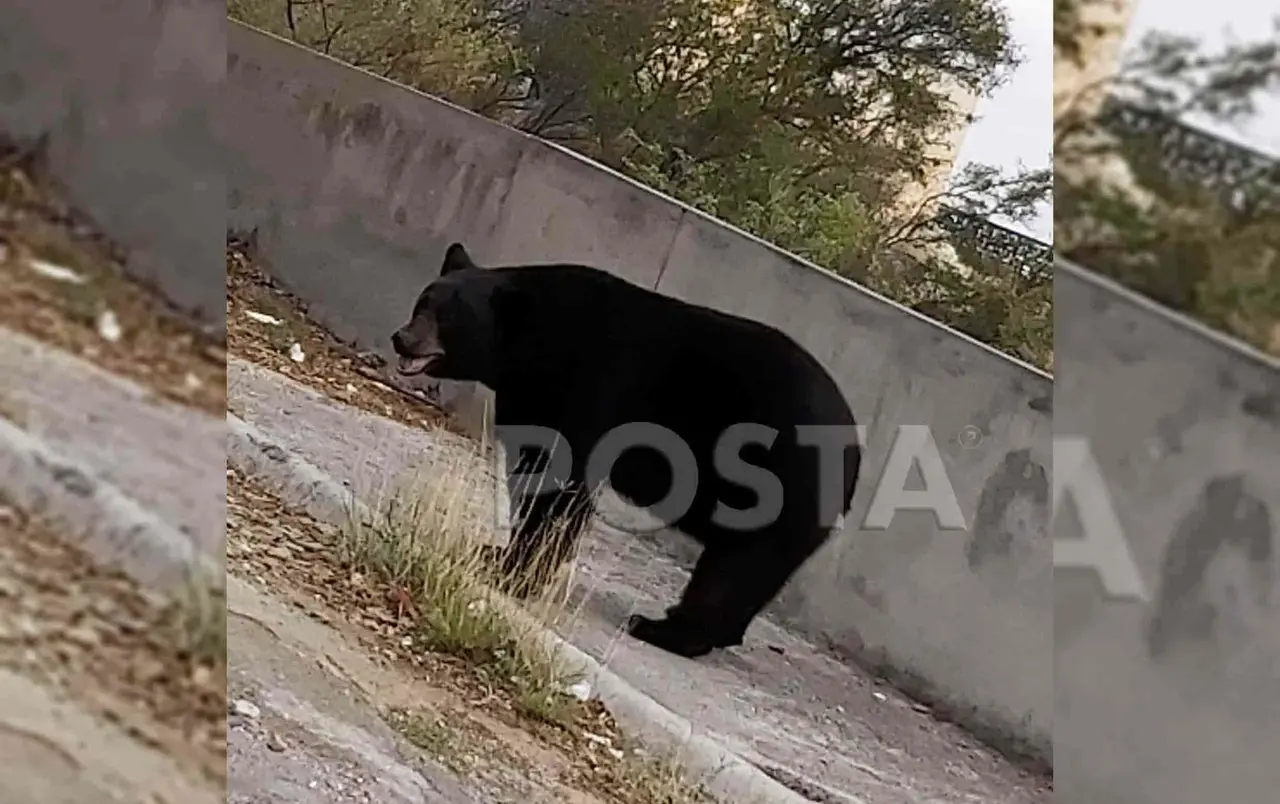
(263, 318)
(580, 690)
(296, 354)
(57, 273)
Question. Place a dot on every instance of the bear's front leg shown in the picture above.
(546, 531)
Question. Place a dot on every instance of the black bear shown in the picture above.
(580, 352)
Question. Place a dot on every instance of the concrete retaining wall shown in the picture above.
(1174, 700)
(126, 91)
(354, 185)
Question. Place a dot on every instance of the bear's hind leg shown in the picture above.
(682, 631)
(729, 587)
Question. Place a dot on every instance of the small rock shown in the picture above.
(109, 326)
(581, 690)
(246, 709)
(202, 676)
(28, 629)
(276, 743)
(84, 636)
(296, 354)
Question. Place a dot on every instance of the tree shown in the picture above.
(1210, 249)
(442, 47)
(978, 191)
(784, 118)
(802, 123)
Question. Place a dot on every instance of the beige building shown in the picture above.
(1079, 85)
(943, 154)
(922, 199)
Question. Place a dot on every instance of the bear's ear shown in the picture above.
(456, 258)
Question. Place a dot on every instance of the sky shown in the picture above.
(1015, 124)
(1218, 24)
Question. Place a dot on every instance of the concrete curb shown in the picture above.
(725, 774)
(109, 525)
(254, 453)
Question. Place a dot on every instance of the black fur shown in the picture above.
(580, 351)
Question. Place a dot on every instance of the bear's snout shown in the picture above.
(400, 344)
(416, 355)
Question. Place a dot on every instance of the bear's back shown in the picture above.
(755, 371)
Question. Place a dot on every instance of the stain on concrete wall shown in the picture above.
(1226, 517)
(1013, 507)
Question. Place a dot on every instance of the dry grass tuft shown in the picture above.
(435, 537)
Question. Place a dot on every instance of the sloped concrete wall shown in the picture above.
(354, 186)
(126, 92)
(1173, 699)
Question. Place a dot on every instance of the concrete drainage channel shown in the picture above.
(728, 735)
(776, 718)
(726, 774)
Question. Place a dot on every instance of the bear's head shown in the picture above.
(453, 332)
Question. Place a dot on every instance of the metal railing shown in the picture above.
(1246, 178)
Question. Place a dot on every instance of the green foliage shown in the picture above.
(441, 47)
(988, 301)
(768, 113)
(802, 123)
